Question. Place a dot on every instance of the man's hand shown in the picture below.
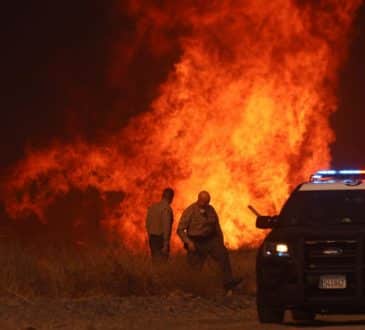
(165, 250)
(191, 246)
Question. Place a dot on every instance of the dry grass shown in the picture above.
(65, 273)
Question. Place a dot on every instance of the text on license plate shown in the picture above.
(328, 282)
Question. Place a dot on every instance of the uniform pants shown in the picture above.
(156, 245)
(213, 247)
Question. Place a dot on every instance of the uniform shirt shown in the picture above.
(196, 222)
(159, 220)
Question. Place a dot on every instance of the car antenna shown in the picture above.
(253, 210)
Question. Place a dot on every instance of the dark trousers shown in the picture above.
(213, 247)
(156, 245)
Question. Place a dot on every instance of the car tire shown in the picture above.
(303, 315)
(265, 311)
(267, 314)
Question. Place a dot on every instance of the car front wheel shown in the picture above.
(267, 313)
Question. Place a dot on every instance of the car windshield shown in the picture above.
(324, 207)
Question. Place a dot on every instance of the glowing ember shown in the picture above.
(243, 114)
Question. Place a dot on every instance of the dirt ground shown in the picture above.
(175, 311)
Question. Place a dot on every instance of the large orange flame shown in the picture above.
(243, 114)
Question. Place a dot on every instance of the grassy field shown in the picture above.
(56, 272)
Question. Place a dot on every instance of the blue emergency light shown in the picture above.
(330, 176)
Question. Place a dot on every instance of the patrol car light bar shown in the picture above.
(343, 172)
(327, 176)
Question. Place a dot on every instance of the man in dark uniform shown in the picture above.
(200, 231)
(159, 224)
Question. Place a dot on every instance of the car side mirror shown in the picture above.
(266, 222)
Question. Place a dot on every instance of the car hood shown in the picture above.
(333, 232)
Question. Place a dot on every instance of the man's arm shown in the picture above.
(217, 225)
(182, 229)
(167, 219)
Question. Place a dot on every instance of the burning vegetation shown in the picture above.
(243, 113)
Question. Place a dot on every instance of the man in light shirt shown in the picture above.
(159, 224)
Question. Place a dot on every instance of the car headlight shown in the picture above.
(276, 249)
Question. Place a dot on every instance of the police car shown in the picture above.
(313, 259)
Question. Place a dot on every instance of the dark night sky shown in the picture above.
(54, 62)
(52, 54)
(349, 121)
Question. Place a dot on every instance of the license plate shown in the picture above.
(328, 282)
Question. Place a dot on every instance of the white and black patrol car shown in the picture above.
(313, 260)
